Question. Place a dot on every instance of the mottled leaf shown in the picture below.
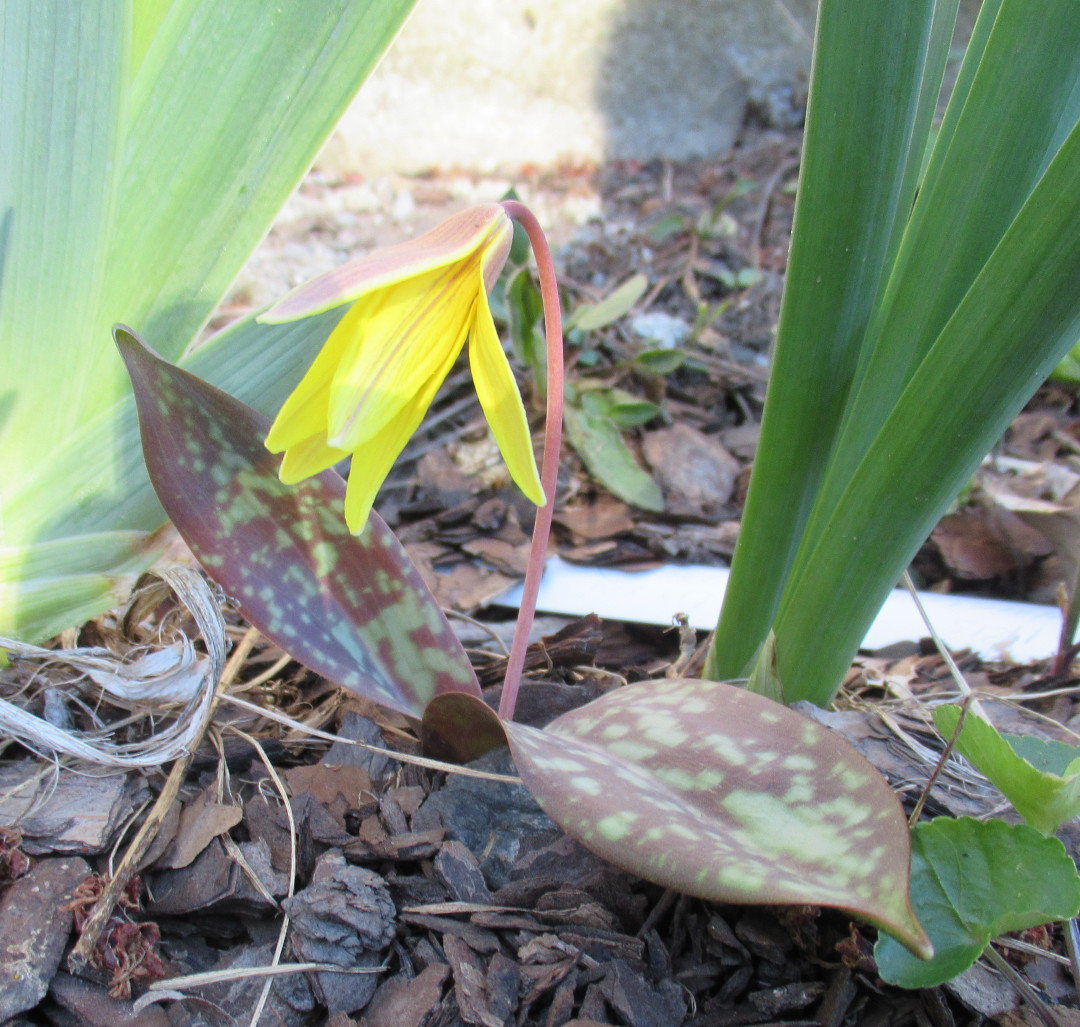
(600, 445)
(718, 792)
(972, 880)
(352, 608)
(1045, 799)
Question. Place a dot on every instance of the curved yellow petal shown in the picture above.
(477, 228)
(501, 401)
(403, 334)
(372, 461)
(308, 457)
(304, 412)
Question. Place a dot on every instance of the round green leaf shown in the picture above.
(972, 880)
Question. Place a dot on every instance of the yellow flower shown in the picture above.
(413, 305)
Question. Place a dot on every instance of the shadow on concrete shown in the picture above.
(678, 78)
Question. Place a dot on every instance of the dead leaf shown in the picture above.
(201, 820)
(326, 782)
(695, 471)
(406, 1002)
(504, 557)
(978, 545)
(601, 519)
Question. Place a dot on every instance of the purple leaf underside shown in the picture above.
(351, 608)
(721, 793)
(460, 728)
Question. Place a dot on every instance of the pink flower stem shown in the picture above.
(549, 473)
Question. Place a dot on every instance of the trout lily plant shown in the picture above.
(931, 287)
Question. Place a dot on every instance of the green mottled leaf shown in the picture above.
(972, 880)
(352, 608)
(591, 316)
(1043, 798)
(721, 793)
(598, 442)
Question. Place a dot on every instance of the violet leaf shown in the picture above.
(973, 880)
(351, 608)
(721, 793)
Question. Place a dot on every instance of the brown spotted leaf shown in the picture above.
(721, 793)
(352, 608)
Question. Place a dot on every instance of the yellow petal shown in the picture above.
(372, 461)
(501, 401)
(307, 458)
(304, 412)
(477, 228)
(401, 335)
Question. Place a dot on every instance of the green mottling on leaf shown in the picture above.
(677, 777)
(666, 733)
(798, 794)
(845, 810)
(589, 785)
(611, 732)
(726, 748)
(798, 761)
(742, 878)
(853, 779)
(682, 831)
(795, 830)
(628, 749)
(618, 825)
(325, 558)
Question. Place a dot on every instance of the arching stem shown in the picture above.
(549, 472)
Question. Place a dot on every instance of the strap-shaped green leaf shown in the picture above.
(871, 102)
(352, 608)
(1019, 318)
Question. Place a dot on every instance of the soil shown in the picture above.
(453, 899)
